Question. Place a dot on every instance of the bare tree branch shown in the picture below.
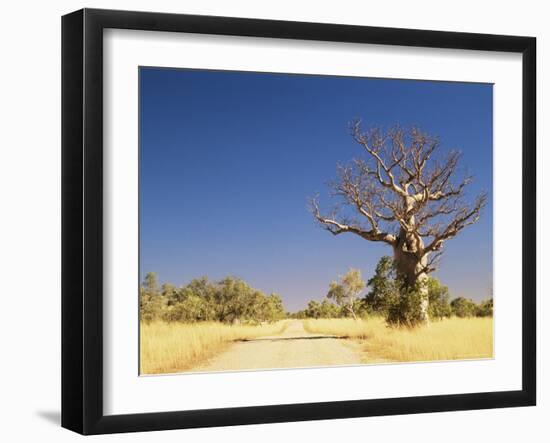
(373, 142)
(431, 264)
(335, 227)
(465, 216)
(402, 193)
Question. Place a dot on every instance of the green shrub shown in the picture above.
(438, 296)
(463, 307)
(404, 307)
(485, 308)
(389, 296)
(384, 288)
(229, 300)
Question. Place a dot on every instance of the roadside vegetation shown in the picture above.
(389, 300)
(230, 300)
(180, 327)
(448, 339)
(383, 320)
(168, 347)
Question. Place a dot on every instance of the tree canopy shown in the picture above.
(228, 300)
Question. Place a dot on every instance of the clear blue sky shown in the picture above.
(228, 160)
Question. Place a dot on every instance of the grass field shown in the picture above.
(449, 339)
(175, 347)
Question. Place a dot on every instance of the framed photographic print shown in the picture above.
(269, 221)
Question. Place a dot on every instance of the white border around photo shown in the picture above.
(126, 392)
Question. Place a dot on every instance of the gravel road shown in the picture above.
(293, 348)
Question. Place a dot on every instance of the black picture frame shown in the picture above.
(82, 219)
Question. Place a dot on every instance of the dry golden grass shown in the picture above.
(175, 347)
(449, 339)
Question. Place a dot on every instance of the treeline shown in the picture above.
(324, 309)
(232, 300)
(386, 297)
(229, 300)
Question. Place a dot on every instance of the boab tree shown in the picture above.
(401, 192)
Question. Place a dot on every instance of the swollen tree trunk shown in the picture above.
(410, 267)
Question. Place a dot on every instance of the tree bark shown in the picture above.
(410, 266)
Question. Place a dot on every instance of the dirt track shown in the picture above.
(293, 348)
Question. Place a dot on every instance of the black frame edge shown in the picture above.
(529, 220)
(283, 29)
(82, 322)
(93, 223)
(308, 411)
(72, 221)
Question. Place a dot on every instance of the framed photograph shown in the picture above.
(268, 221)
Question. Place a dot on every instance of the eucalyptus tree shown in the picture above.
(345, 292)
